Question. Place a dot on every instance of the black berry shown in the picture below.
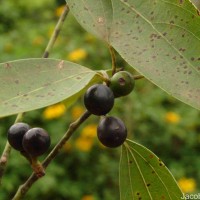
(15, 135)
(36, 142)
(99, 99)
(122, 83)
(111, 132)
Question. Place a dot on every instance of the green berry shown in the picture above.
(111, 132)
(36, 142)
(122, 83)
(15, 135)
(99, 99)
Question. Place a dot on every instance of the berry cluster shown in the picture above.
(32, 141)
(99, 100)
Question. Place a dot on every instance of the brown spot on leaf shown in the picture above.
(151, 156)
(14, 106)
(60, 64)
(7, 65)
(192, 59)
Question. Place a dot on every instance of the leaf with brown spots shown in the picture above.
(160, 39)
(35, 83)
(144, 176)
(196, 3)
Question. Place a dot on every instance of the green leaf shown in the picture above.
(35, 83)
(159, 38)
(196, 3)
(144, 176)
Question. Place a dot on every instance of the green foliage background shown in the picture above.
(24, 33)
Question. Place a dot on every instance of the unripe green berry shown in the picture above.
(122, 83)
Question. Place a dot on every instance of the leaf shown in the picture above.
(35, 83)
(144, 176)
(159, 38)
(196, 3)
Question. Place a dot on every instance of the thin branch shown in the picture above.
(4, 159)
(6, 152)
(56, 31)
(23, 189)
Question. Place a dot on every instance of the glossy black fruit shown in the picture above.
(111, 132)
(15, 135)
(99, 99)
(122, 83)
(36, 142)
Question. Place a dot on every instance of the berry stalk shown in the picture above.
(137, 77)
(113, 58)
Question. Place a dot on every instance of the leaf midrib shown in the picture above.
(138, 167)
(52, 83)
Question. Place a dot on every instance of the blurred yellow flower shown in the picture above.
(59, 10)
(38, 41)
(76, 55)
(187, 185)
(54, 111)
(84, 144)
(77, 111)
(86, 140)
(87, 197)
(89, 131)
(172, 117)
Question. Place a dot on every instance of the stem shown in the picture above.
(37, 167)
(23, 189)
(137, 77)
(6, 151)
(56, 31)
(4, 159)
(104, 76)
(113, 58)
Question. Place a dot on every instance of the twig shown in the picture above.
(23, 189)
(4, 159)
(56, 31)
(6, 152)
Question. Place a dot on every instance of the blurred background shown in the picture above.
(85, 170)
